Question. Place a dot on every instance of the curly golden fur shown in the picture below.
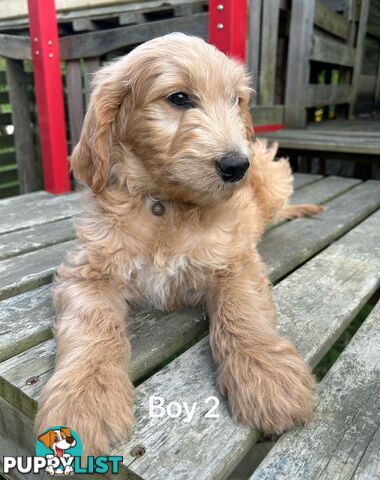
(202, 251)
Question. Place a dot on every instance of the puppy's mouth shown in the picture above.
(59, 451)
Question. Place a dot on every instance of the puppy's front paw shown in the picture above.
(274, 391)
(99, 408)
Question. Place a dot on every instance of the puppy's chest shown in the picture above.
(169, 282)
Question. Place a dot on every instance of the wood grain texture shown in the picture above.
(35, 238)
(210, 448)
(254, 40)
(28, 328)
(318, 140)
(302, 179)
(326, 94)
(300, 37)
(155, 338)
(361, 35)
(19, 98)
(15, 47)
(75, 103)
(94, 44)
(328, 51)
(310, 235)
(267, 115)
(25, 321)
(30, 270)
(268, 54)
(36, 209)
(315, 304)
(324, 190)
(343, 440)
(330, 21)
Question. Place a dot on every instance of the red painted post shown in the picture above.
(228, 26)
(49, 94)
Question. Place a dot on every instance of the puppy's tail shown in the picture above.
(302, 210)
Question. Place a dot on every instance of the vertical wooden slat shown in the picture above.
(270, 19)
(298, 70)
(362, 29)
(25, 157)
(75, 99)
(90, 66)
(254, 41)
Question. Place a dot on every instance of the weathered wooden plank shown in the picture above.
(43, 323)
(35, 238)
(16, 47)
(93, 44)
(90, 66)
(348, 273)
(67, 9)
(18, 94)
(302, 179)
(326, 94)
(36, 209)
(25, 321)
(361, 34)
(343, 440)
(155, 338)
(75, 100)
(268, 55)
(330, 21)
(319, 192)
(319, 141)
(267, 115)
(328, 51)
(313, 234)
(315, 304)
(324, 190)
(301, 29)
(30, 270)
(254, 40)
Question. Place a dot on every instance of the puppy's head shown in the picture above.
(172, 119)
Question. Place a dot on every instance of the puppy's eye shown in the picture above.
(181, 100)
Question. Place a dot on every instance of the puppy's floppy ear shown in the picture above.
(90, 160)
(247, 118)
(245, 92)
(47, 438)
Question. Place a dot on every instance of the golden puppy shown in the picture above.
(177, 197)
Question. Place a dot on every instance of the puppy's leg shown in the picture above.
(90, 390)
(267, 383)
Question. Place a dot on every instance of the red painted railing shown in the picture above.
(49, 94)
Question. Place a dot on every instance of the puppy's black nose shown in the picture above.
(232, 167)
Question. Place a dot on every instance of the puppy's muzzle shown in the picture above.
(232, 167)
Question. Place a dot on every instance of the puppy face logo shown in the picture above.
(59, 445)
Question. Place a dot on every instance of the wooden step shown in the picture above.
(343, 440)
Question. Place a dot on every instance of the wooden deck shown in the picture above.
(325, 269)
(351, 137)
